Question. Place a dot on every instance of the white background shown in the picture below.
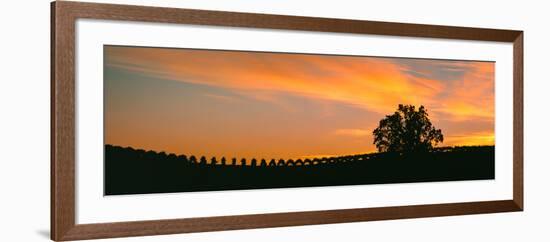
(24, 121)
(93, 207)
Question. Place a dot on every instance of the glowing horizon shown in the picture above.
(280, 105)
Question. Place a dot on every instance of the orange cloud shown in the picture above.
(353, 132)
(473, 95)
(479, 138)
(371, 83)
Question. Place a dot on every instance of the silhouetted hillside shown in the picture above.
(131, 171)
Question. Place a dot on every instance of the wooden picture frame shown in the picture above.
(63, 18)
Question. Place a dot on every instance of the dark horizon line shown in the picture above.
(438, 149)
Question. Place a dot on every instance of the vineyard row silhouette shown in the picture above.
(136, 171)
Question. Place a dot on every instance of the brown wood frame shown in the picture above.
(63, 18)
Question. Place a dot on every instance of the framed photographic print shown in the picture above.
(172, 120)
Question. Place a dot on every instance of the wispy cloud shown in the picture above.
(477, 138)
(353, 132)
(221, 97)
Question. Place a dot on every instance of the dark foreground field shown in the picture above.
(130, 171)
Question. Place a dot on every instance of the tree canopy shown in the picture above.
(406, 130)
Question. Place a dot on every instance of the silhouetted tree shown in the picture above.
(150, 154)
(223, 161)
(406, 130)
(234, 161)
(253, 162)
(183, 158)
(172, 156)
(272, 162)
(193, 159)
(243, 162)
(213, 161)
(281, 162)
(316, 161)
(203, 160)
(299, 162)
(308, 162)
(263, 163)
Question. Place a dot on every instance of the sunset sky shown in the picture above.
(279, 105)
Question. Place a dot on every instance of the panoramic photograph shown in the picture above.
(189, 120)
